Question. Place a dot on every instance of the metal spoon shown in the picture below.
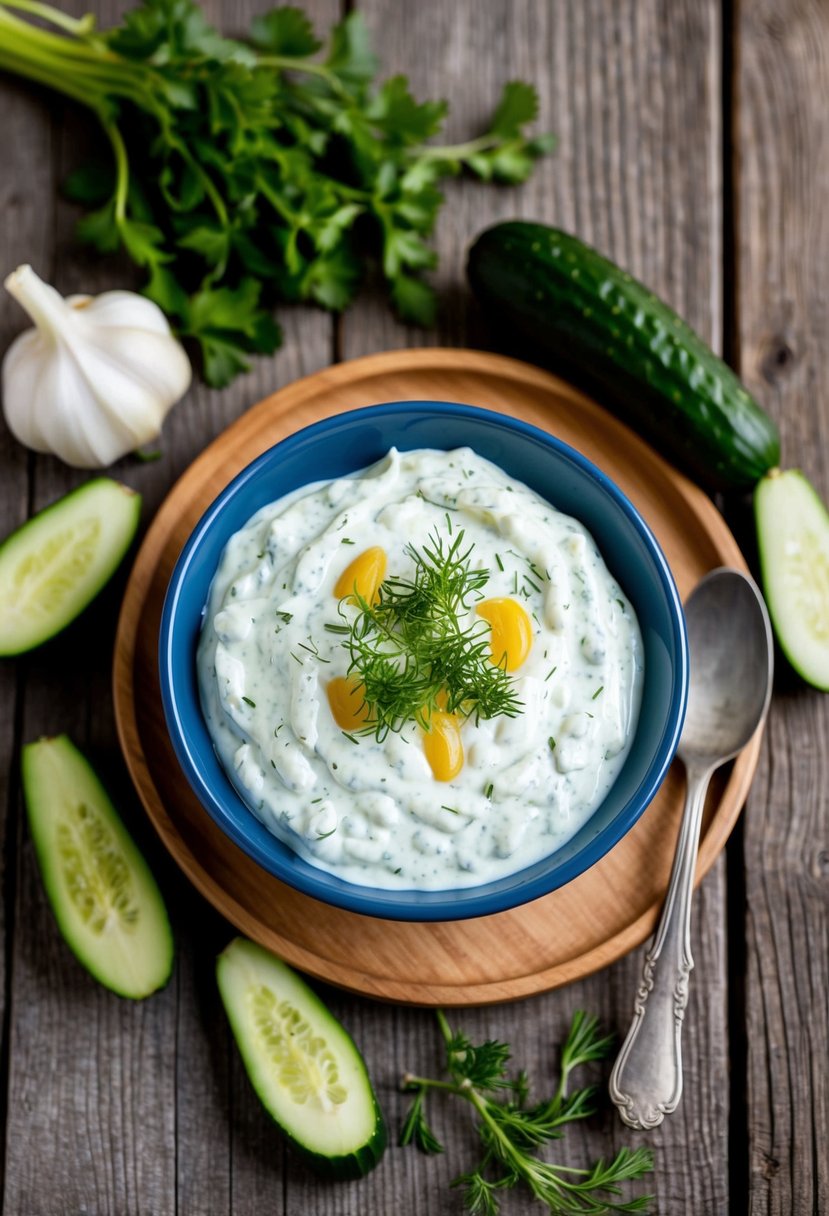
(731, 664)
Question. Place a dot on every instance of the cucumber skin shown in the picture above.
(47, 866)
(55, 507)
(344, 1168)
(570, 302)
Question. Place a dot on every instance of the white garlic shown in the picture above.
(96, 376)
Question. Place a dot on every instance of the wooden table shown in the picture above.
(694, 149)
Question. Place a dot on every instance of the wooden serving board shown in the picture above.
(583, 926)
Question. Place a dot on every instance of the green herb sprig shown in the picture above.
(511, 1131)
(244, 173)
(412, 650)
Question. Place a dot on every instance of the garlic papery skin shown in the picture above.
(96, 376)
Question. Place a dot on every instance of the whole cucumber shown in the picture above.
(568, 302)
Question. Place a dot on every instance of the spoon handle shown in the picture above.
(646, 1081)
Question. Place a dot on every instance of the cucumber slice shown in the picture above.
(104, 897)
(303, 1065)
(59, 560)
(793, 539)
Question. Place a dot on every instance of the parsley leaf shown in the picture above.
(242, 174)
(285, 31)
(517, 107)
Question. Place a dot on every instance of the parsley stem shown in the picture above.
(454, 151)
(284, 63)
(33, 68)
(122, 169)
(86, 74)
(81, 27)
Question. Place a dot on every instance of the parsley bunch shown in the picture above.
(511, 1130)
(412, 651)
(244, 173)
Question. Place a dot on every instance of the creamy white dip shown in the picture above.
(372, 812)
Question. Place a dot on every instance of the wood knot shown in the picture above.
(769, 1166)
(778, 359)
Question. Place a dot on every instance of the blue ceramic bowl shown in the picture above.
(349, 442)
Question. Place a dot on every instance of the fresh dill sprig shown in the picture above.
(511, 1130)
(414, 652)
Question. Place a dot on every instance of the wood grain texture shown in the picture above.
(633, 91)
(127, 1104)
(783, 313)
(598, 916)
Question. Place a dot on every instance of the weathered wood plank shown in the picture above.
(633, 91)
(128, 1105)
(26, 160)
(90, 1077)
(783, 320)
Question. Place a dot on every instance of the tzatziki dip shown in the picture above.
(421, 675)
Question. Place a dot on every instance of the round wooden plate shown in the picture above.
(575, 930)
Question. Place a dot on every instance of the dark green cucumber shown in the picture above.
(568, 302)
(57, 562)
(793, 540)
(303, 1065)
(104, 897)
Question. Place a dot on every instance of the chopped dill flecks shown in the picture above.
(551, 672)
(314, 650)
(314, 801)
(287, 617)
(551, 743)
(448, 523)
(351, 738)
(597, 693)
(248, 701)
(500, 563)
(453, 809)
(325, 835)
(489, 790)
(534, 586)
(346, 540)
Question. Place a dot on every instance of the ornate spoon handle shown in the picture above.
(646, 1081)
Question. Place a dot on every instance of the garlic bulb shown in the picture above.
(96, 376)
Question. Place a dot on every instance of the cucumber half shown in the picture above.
(59, 560)
(104, 897)
(303, 1065)
(793, 539)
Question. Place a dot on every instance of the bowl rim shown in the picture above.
(446, 903)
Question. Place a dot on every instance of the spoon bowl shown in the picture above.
(729, 639)
(731, 668)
